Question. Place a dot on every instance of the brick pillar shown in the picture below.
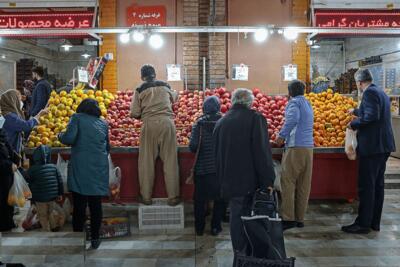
(300, 49)
(217, 46)
(108, 18)
(191, 43)
(211, 46)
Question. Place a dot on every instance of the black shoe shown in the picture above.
(215, 231)
(376, 228)
(57, 229)
(355, 229)
(299, 224)
(95, 243)
(286, 225)
(225, 219)
(199, 232)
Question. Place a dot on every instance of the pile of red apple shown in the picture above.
(125, 131)
(273, 109)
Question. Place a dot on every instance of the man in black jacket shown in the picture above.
(243, 158)
(375, 143)
(41, 92)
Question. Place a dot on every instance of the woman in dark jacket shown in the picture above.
(87, 134)
(206, 184)
(7, 169)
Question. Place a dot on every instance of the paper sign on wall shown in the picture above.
(289, 72)
(146, 16)
(83, 76)
(240, 72)
(174, 72)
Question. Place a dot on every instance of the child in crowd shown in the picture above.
(46, 185)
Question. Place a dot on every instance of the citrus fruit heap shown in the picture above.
(331, 117)
(61, 107)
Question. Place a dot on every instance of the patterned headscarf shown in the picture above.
(10, 103)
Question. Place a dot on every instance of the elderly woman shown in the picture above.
(243, 158)
(15, 125)
(87, 134)
(206, 184)
(7, 169)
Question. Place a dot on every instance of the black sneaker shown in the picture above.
(215, 231)
(355, 229)
(299, 224)
(95, 243)
(376, 228)
(286, 225)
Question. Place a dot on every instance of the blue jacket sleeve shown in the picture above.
(39, 101)
(70, 135)
(371, 110)
(292, 117)
(194, 138)
(21, 125)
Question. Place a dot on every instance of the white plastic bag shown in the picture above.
(278, 171)
(67, 208)
(351, 144)
(114, 179)
(62, 166)
(31, 220)
(19, 191)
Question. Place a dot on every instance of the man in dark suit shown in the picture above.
(243, 158)
(375, 143)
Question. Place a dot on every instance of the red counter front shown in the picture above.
(334, 176)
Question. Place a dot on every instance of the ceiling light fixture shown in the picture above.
(260, 35)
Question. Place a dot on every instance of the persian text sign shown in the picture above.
(357, 19)
(146, 16)
(53, 20)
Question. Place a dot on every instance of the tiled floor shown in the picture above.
(320, 243)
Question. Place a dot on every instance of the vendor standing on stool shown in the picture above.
(152, 103)
(375, 143)
(297, 160)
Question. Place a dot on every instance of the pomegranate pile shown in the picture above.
(125, 131)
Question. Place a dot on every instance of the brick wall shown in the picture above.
(108, 18)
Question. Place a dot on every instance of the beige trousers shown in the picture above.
(50, 217)
(297, 164)
(158, 138)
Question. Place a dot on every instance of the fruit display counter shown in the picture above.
(334, 176)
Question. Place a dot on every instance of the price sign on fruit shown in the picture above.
(174, 72)
(240, 72)
(289, 72)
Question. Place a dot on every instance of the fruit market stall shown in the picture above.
(334, 176)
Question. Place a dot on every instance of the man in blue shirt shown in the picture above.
(375, 143)
(41, 93)
(297, 161)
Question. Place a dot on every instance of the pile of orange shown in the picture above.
(61, 107)
(331, 117)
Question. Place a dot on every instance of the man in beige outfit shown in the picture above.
(152, 103)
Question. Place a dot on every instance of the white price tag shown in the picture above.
(83, 76)
(289, 72)
(240, 72)
(174, 72)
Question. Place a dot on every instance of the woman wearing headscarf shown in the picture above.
(7, 168)
(87, 134)
(205, 178)
(15, 125)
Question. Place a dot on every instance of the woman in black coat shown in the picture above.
(7, 169)
(206, 184)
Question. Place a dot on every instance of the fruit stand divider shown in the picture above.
(334, 176)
